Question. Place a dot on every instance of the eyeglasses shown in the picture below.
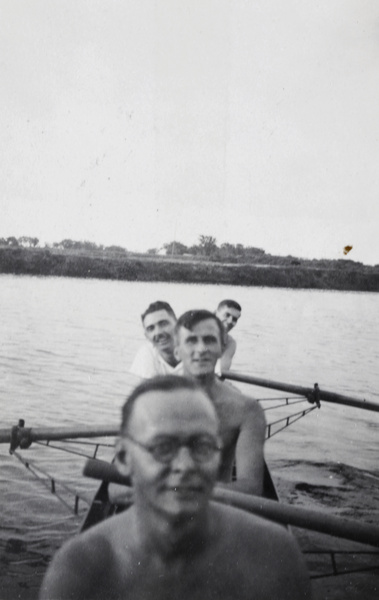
(202, 449)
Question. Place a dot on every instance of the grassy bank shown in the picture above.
(44, 261)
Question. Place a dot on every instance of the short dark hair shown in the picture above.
(230, 304)
(158, 305)
(192, 317)
(161, 383)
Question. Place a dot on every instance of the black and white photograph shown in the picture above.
(189, 280)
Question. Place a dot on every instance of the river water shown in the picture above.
(65, 348)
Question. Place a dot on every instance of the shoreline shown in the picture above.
(48, 262)
(344, 491)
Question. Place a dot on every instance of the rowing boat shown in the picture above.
(297, 403)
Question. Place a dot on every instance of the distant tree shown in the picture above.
(90, 246)
(152, 251)
(251, 251)
(207, 244)
(195, 250)
(12, 241)
(227, 250)
(115, 249)
(175, 248)
(67, 244)
(25, 240)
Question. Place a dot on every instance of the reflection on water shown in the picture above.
(65, 349)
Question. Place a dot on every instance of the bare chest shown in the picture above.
(198, 581)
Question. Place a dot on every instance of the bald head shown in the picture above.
(149, 397)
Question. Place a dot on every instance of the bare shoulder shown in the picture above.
(230, 343)
(253, 410)
(255, 534)
(269, 546)
(75, 567)
(80, 567)
(229, 399)
(257, 530)
(245, 406)
(227, 390)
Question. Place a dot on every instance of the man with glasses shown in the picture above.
(173, 542)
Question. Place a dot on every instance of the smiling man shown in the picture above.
(156, 356)
(199, 345)
(173, 542)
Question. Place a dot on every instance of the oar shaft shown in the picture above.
(83, 431)
(59, 433)
(276, 511)
(301, 517)
(303, 391)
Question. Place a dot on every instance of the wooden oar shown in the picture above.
(24, 436)
(314, 394)
(281, 513)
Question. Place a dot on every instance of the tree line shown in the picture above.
(206, 249)
(207, 246)
(66, 244)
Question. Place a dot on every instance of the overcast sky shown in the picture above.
(136, 122)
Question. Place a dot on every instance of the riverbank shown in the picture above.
(339, 490)
(48, 262)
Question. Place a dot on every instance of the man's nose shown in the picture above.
(201, 346)
(183, 459)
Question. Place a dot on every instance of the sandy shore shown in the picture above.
(343, 491)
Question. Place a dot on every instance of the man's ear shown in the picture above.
(122, 458)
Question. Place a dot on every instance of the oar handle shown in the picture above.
(276, 511)
(100, 469)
